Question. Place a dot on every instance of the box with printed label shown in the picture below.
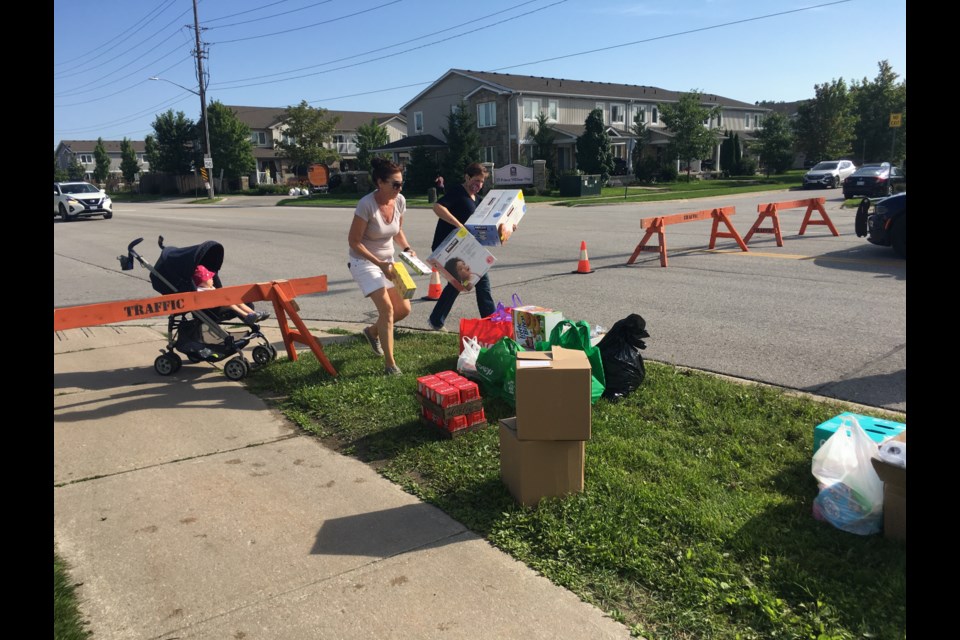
(553, 395)
(403, 282)
(533, 324)
(533, 470)
(461, 259)
(414, 264)
(497, 216)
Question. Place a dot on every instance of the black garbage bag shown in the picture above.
(620, 350)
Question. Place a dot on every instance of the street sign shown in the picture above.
(208, 161)
(895, 119)
(203, 173)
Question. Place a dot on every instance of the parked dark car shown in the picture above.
(874, 180)
(884, 222)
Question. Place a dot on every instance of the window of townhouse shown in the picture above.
(617, 114)
(486, 114)
(489, 154)
(654, 116)
(258, 138)
(86, 158)
(553, 110)
(642, 112)
(531, 109)
(418, 122)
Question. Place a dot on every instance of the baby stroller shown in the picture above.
(199, 337)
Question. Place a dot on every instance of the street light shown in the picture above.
(206, 127)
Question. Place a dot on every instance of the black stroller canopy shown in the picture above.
(177, 264)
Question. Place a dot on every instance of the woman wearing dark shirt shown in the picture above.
(453, 210)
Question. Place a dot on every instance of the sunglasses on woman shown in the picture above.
(396, 185)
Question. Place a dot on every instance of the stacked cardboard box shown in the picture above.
(894, 494)
(542, 448)
(533, 324)
(450, 403)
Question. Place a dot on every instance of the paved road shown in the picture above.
(823, 314)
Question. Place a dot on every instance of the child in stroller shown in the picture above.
(200, 337)
(203, 279)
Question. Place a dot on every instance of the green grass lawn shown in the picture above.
(67, 621)
(695, 521)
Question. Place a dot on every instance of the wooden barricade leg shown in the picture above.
(655, 227)
(769, 212)
(719, 215)
(285, 307)
(817, 204)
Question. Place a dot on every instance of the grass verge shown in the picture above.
(696, 518)
(67, 622)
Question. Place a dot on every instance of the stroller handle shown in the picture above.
(126, 262)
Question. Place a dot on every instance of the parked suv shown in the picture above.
(886, 224)
(829, 174)
(80, 199)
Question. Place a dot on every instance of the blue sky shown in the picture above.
(375, 55)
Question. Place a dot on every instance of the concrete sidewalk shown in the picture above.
(186, 508)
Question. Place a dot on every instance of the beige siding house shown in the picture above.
(82, 151)
(506, 106)
(265, 128)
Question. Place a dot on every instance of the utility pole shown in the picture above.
(207, 156)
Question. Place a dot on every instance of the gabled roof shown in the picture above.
(411, 142)
(269, 117)
(561, 87)
(112, 146)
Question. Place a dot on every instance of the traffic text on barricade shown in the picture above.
(656, 226)
(280, 292)
(771, 210)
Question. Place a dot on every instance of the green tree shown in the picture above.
(59, 173)
(370, 136)
(172, 147)
(231, 148)
(463, 142)
(593, 147)
(421, 170)
(76, 171)
(639, 129)
(875, 140)
(691, 139)
(306, 131)
(775, 143)
(101, 162)
(825, 125)
(129, 166)
(543, 143)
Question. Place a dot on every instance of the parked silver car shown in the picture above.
(828, 174)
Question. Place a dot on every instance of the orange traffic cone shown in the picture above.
(433, 292)
(584, 265)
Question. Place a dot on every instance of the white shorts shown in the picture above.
(368, 275)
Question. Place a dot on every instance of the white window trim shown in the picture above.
(655, 116)
(418, 121)
(535, 109)
(553, 110)
(642, 110)
(623, 113)
(481, 123)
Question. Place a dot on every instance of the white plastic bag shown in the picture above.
(467, 362)
(851, 492)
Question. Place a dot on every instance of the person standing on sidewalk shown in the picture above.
(453, 210)
(377, 225)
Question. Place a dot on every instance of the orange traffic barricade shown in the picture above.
(771, 211)
(656, 226)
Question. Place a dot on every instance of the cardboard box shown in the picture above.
(894, 495)
(414, 264)
(461, 245)
(403, 282)
(533, 324)
(497, 216)
(878, 430)
(533, 470)
(553, 395)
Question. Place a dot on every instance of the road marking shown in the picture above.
(793, 256)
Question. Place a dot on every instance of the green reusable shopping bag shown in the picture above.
(497, 369)
(570, 334)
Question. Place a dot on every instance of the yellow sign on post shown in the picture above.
(203, 173)
(895, 119)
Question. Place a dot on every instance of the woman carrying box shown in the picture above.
(453, 210)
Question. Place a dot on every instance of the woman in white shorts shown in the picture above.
(377, 224)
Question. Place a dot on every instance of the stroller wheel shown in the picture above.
(262, 355)
(167, 363)
(273, 351)
(236, 368)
